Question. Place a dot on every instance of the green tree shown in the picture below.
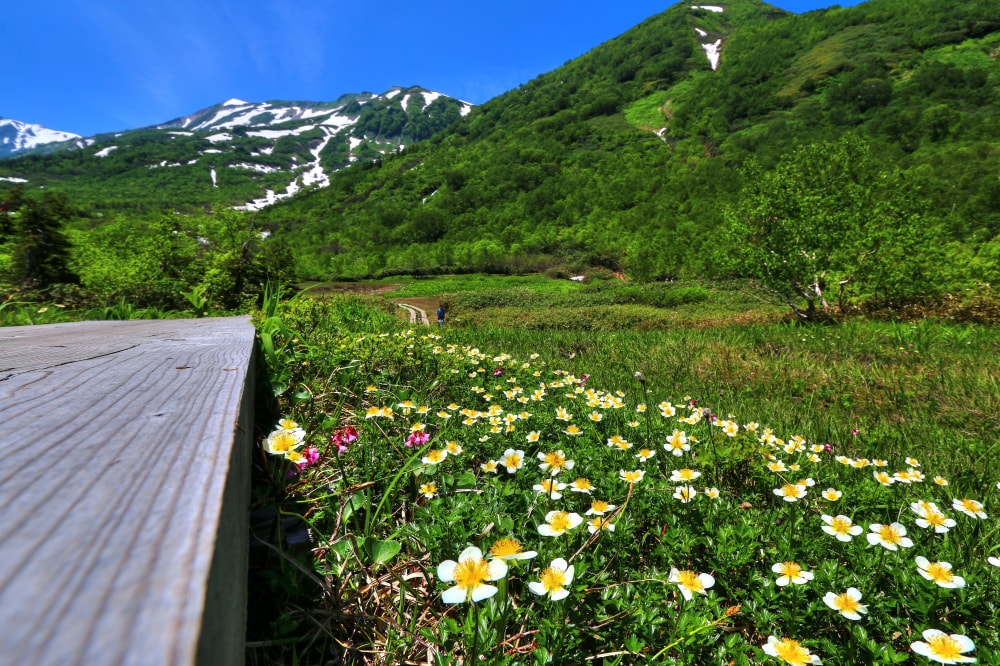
(41, 249)
(828, 218)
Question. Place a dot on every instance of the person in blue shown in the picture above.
(441, 314)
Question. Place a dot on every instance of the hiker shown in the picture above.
(441, 314)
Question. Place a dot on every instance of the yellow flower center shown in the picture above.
(435, 456)
(559, 522)
(935, 519)
(940, 573)
(599, 523)
(945, 648)
(791, 569)
(685, 474)
(889, 534)
(632, 477)
(841, 525)
(513, 460)
(284, 442)
(553, 580)
(555, 460)
(505, 548)
(846, 603)
(582, 484)
(598, 505)
(971, 505)
(790, 490)
(470, 573)
(690, 580)
(792, 651)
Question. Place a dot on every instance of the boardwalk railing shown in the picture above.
(124, 482)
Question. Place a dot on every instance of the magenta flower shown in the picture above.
(498, 372)
(343, 437)
(417, 438)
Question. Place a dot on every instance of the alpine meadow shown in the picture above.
(715, 376)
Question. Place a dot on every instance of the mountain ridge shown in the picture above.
(278, 147)
(17, 136)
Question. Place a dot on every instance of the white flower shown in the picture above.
(790, 573)
(683, 475)
(847, 604)
(790, 651)
(280, 442)
(599, 508)
(892, 537)
(469, 575)
(513, 460)
(691, 582)
(939, 572)
(553, 581)
(790, 492)
(944, 648)
(685, 493)
(969, 507)
(841, 527)
(510, 549)
(550, 488)
(557, 522)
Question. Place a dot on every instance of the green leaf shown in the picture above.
(379, 551)
(356, 501)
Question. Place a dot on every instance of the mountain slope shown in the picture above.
(628, 155)
(237, 153)
(18, 137)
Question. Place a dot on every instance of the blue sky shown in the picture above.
(91, 66)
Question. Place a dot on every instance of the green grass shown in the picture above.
(436, 285)
(860, 392)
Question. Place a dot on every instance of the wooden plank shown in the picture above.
(124, 484)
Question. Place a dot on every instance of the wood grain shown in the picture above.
(125, 456)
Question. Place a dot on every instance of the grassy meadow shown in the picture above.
(605, 474)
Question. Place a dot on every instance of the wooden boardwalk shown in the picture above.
(417, 315)
(124, 484)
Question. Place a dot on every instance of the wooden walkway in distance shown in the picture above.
(416, 314)
(124, 484)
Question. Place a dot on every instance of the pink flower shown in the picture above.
(498, 372)
(855, 432)
(417, 438)
(311, 456)
(343, 437)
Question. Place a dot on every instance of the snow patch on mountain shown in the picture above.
(713, 51)
(104, 152)
(709, 8)
(277, 134)
(17, 136)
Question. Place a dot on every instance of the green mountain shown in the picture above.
(630, 155)
(234, 154)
